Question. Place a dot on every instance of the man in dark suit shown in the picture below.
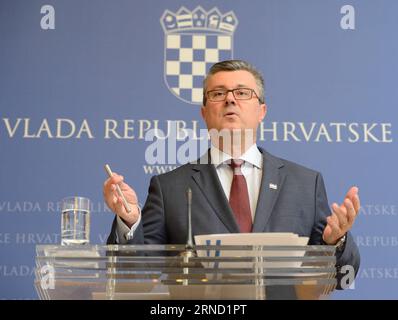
(236, 186)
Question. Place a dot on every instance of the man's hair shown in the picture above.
(235, 65)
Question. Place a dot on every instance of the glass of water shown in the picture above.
(75, 221)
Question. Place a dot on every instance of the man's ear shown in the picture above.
(203, 112)
(263, 112)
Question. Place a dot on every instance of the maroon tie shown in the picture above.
(239, 198)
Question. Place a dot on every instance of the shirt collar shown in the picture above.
(252, 156)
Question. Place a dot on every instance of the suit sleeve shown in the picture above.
(350, 253)
(153, 215)
(151, 229)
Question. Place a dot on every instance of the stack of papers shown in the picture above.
(253, 239)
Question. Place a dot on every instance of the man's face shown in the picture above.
(232, 113)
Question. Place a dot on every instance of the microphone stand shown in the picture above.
(189, 252)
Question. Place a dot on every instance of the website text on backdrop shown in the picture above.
(237, 186)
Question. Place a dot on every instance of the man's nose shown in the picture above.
(230, 98)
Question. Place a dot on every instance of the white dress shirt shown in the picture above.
(251, 169)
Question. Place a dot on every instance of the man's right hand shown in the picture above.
(115, 202)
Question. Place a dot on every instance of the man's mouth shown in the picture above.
(230, 114)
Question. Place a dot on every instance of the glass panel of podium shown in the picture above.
(178, 272)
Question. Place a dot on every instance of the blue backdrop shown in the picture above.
(81, 82)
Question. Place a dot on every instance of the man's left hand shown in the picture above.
(342, 218)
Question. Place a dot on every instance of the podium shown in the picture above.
(175, 272)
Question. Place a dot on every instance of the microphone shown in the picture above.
(189, 252)
(189, 201)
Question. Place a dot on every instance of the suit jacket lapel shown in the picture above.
(272, 177)
(206, 178)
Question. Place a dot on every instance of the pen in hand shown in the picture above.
(118, 190)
